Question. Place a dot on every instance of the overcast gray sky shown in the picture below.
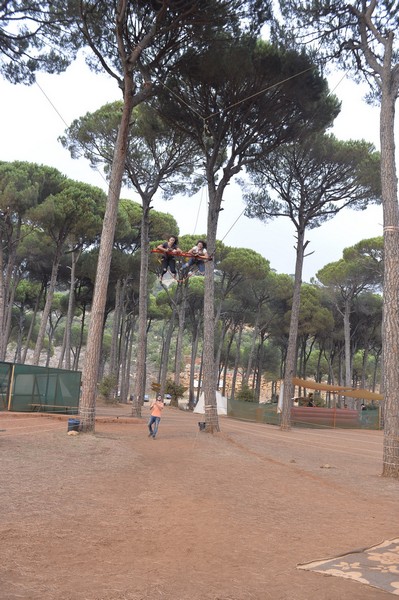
(32, 118)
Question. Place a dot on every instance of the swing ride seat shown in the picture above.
(172, 253)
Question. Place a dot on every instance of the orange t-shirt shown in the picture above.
(156, 408)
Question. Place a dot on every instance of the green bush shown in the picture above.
(246, 394)
(106, 387)
(176, 391)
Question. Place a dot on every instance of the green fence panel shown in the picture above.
(252, 411)
(5, 373)
(31, 388)
(311, 417)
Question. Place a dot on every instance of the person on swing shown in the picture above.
(170, 249)
(197, 251)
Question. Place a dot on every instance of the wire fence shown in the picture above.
(315, 417)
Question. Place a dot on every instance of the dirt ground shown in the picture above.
(116, 515)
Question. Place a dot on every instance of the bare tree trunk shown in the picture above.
(51, 331)
(18, 349)
(93, 350)
(237, 362)
(66, 343)
(62, 351)
(194, 350)
(166, 350)
(181, 314)
(32, 325)
(209, 369)
(222, 337)
(9, 308)
(365, 358)
(79, 346)
(228, 352)
(255, 333)
(123, 384)
(116, 326)
(260, 366)
(141, 351)
(122, 352)
(199, 388)
(347, 337)
(375, 370)
(129, 359)
(290, 362)
(390, 324)
(8, 283)
(2, 304)
(47, 307)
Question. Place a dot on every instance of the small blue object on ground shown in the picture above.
(73, 424)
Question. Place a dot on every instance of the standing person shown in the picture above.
(199, 250)
(156, 409)
(170, 249)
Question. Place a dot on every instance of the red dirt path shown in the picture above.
(188, 516)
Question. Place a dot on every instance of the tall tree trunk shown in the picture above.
(2, 303)
(236, 362)
(166, 350)
(347, 345)
(181, 316)
(261, 350)
(32, 324)
(218, 355)
(18, 349)
(116, 329)
(127, 377)
(8, 283)
(51, 333)
(200, 374)
(255, 333)
(141, 350)
(209, 368)
(87, 406)
(365, 359)
(390, 323)
(347, 341)
(228, 353)
(65, 356)
(81, 336)
(290, 362)
(47, 307)
(375, 370)
(71, 308)
(194, 350)
(123, 386)
(10, 305)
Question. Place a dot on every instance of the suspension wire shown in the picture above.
(262, 91)
(51, 103)
(199, 208)
(339, 82)
(95, 168)
(237, 219)
(329, 93)
(204, 119)
(181, 99)
(270, 87)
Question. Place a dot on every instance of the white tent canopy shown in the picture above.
(221, 404)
